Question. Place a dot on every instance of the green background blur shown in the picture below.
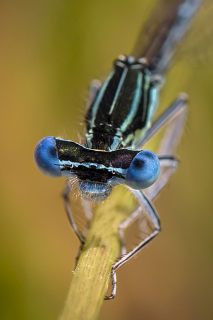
(49, 52)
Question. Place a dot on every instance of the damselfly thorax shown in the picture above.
(123, 109)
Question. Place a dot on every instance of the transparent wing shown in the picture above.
(164, 31)
(198, 43)
(156, 28)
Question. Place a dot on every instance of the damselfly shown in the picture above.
(119, 123)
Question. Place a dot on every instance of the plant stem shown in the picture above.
(102, 247)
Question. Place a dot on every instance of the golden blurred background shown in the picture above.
(49, 53)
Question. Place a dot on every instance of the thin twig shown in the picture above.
(102, 247)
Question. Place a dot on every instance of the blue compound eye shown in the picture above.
(143, 170)
(46, 158)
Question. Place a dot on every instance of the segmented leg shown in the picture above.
(168, 165)
(175, 114)
(67, 190)
(86, 206)
(146, 205)
(174, 117)
(124, 225)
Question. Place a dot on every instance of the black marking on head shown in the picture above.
(84, 161)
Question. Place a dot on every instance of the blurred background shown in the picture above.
(49, 53)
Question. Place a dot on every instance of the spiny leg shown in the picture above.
(175, 128)
(124, 225)
(174, 117)
(168, 166)
(153, 217)
(66, 192)
(175, 114)
(165, 162)
(86, 206)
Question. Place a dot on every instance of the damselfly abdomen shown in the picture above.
(118, 124)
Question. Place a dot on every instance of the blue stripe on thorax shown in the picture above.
(99, 97)
(134, 106)
(118, 90)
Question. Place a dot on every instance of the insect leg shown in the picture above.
(124, 225)
(66, 192)
(175, 119)
(148, 208)
(174, 116)
(168, 166)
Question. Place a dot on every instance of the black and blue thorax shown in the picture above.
(116, 121)
(124, 107)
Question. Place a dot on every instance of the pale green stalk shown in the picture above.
(102, 247)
